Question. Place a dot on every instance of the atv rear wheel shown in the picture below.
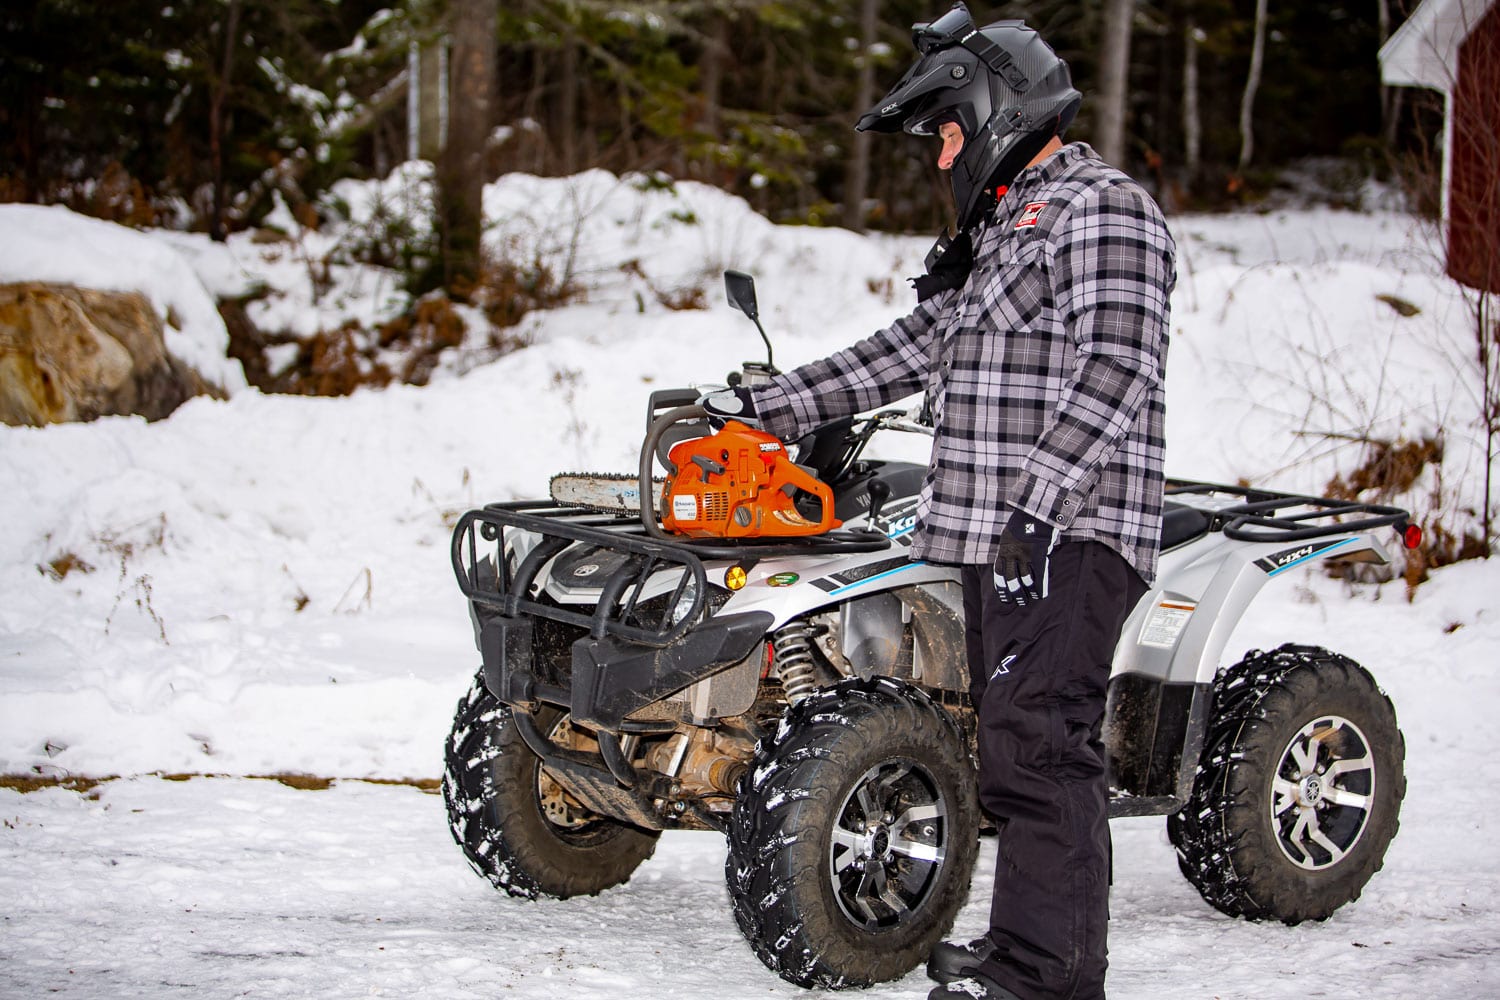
(518, 827)
(854, 836)
(1299, 787)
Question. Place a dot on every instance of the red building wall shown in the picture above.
(1474, 181)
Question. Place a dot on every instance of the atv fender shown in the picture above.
(1170, 649)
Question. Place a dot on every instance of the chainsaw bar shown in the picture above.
(607, 492)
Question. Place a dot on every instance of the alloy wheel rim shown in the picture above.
(888, 845)
(1322, 793)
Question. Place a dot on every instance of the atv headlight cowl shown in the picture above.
(657, 612)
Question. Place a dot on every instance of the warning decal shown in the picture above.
(1165, 623)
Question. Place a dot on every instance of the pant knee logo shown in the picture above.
(1004, 666)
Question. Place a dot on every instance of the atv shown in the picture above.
(652, 659)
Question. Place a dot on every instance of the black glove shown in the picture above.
(1021, 562)
(734, 403)
(948, 266)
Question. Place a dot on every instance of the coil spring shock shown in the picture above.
(791, 649)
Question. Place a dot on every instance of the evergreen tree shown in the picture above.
(144, 112)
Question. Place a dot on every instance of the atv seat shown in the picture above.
(1181, 524)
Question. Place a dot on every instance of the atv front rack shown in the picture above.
(1269, 516)
(560, 525)
(633, 651)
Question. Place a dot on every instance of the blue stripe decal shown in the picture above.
(1311, 555)
(872, 579)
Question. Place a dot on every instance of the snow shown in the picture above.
(268, 592)
(1281, 335)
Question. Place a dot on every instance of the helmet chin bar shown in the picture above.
(1000, 157)
(1002, 84)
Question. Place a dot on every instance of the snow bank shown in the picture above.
(51, 243)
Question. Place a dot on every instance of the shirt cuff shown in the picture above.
(1046, 502)
(773, 405)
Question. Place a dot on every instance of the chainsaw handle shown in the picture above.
(658, 427)
(799, 477)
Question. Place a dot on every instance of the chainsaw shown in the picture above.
(736, 483)
(739, 483)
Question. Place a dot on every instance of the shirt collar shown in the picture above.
(1049, 170)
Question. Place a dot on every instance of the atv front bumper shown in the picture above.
(612, 678)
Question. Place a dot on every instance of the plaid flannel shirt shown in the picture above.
(1043, 372)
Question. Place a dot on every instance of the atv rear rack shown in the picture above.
(1269, 516)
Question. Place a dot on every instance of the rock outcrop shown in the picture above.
(69, 354)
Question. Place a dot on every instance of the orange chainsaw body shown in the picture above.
(739, 483)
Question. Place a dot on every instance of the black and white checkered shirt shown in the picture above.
(1044, 372)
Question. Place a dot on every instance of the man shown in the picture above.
(1040, 340)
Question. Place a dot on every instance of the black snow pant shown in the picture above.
(1038, 676)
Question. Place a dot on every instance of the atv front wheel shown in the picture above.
(519, 828)
(1299, 787)
(854, 836)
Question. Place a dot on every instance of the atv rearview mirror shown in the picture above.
(740, 288)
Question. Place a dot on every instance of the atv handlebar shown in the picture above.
(899, 420)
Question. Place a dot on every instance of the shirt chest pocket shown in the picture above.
(1014, 247)
(1010, 303)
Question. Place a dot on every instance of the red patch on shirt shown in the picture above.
(1029, 215)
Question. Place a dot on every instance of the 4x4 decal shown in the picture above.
(1287, 558)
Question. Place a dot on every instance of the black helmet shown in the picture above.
(1001, 84)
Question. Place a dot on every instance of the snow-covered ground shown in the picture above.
(260, 585)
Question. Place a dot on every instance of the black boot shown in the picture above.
(950, 961)
(976, 986)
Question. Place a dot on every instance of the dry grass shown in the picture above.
(27, 783)
(68, 562)
(405, 349)
(1390, 472)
